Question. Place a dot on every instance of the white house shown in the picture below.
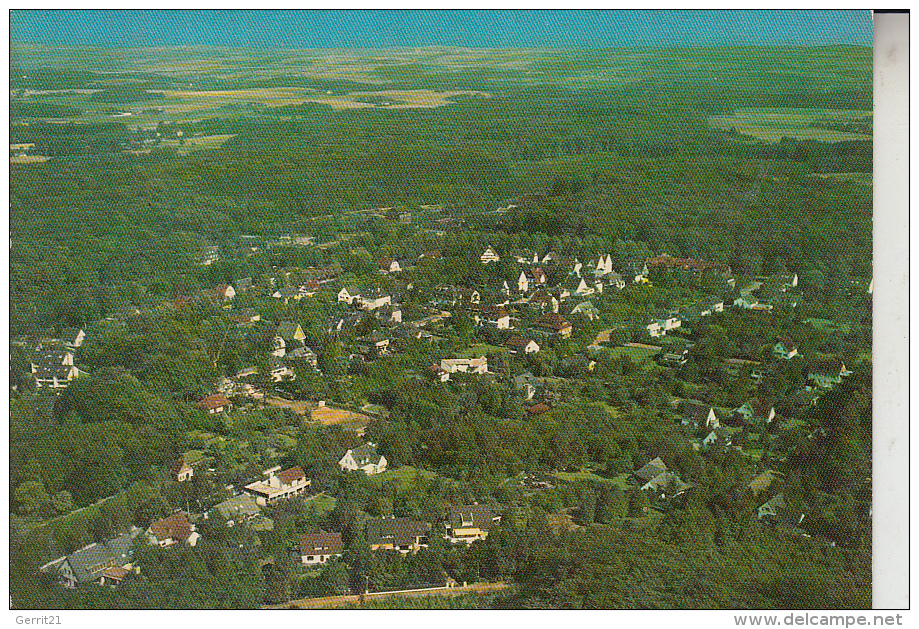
(489, 256)
(349, 294)
(523, 283)
(278, 485)
(319, 548)
(785, 349)
(73, 337)
(278, 347)
(374, 300)
(364, 458)
(225, 292)
(465, 365)
(518, 344)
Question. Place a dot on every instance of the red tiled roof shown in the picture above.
(321, 543)
(538, 409)
(518, 342)
(175, 527)
(290, 475)
(213, 401)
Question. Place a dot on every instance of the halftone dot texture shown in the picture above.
(282, 153)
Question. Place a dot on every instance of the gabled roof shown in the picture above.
(292, 474)
(365, 454)
(397, 531)
(518, 342)
(69, 335)
(288, 329)
(89, 563)
(651, 469)
(476, 516)
(176, 527)
(213, 401)
(321, 543)
(695, 410)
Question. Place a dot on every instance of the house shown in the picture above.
(214, 404)
(665, 485)
(553, 324)
(785, 349)
(349, 294)
(469, 523)
(772, 507)
(698, 416)
(182, 471)
(827, 373)
(523, 282)
(668, 322)
(402, 534)
(278, 371)
(364, 458)
(278, 347)
(304, 355)
(73, 337)
(291, 332)
(465, 365)
(373, 344)
(543, 302)
(635, 272)
(614, 279)
(390, 315)
(650, 470)
(486, 314)
(538, 409)
(489, 256)
(278, 485)
(244, 317)
(388, 265)
(88, 564)
(577, 287)
(114, 576)
(51, 357)
(527, 384)
(587, 309)
(224, 292)
(50, 377)
(238, 509)
(712, 438)
(174, 529)
(676, 352)
(374, 299)
(755, 411)
(319, 548)
(518, 344)
(538, 276)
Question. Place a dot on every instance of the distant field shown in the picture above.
(772, 124)
(480, 349)
(862, 178)
(825, 325)
(620, 481)
(197, 143)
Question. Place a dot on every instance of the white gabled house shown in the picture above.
(364, 458)
(489, 256)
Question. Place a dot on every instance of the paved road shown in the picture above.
(340, 601)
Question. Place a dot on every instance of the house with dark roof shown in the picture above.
(827, 373)
(291, 332)
(73, 337)
(365, 458)
(402, 534)
(756, 411)
(697, 415)
(51, 377)
(650, 470)
(238, 509)
(88, 564)
(553, 324)
(522, 345)
(785, 349)
(319, 548)
(468, 523)
(182, 471)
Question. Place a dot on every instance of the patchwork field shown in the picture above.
(772, 124)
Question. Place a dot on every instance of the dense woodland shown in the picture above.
(108, 240)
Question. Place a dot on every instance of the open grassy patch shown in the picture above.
(638, 354)
(772, 124)
(404, 475)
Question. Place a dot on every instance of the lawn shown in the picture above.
(404, 475)
(825, 325)
(620, 481)
(321, 502)
(772, 124)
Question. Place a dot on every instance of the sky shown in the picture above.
(476, 29)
